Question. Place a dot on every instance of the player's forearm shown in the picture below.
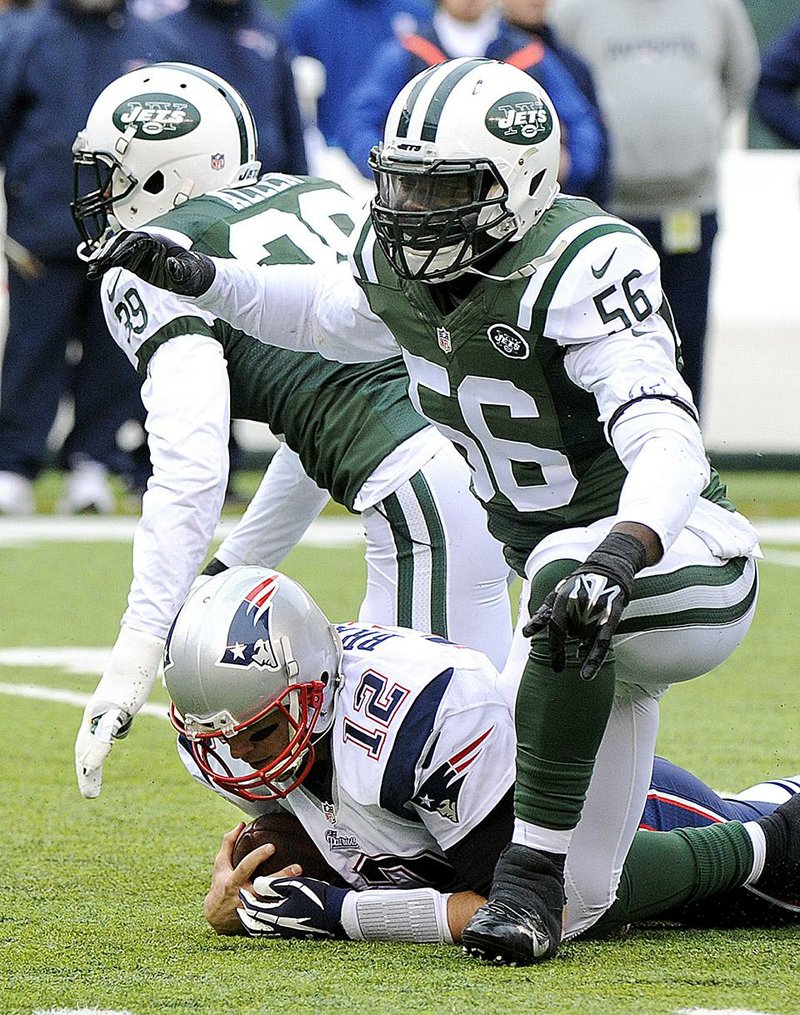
(310, 308)
(667, 471)
(273, 304)
(186, 398)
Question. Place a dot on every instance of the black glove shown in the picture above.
(156, 260)
(588, 604)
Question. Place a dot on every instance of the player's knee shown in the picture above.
(545, 579)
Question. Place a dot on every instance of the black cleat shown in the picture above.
(521, 922)
(779, 883)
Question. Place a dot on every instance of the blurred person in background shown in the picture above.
(54, 59)
(531, 16)
(779, 86)
(342, 35)
(473, 28)
(669, 74)
(244, 44)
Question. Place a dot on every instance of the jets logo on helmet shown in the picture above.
(153, 116)
(520, 118)
(249, 639)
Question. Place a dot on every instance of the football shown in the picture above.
(292, 845)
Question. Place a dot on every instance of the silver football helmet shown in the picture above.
(469, 161)
(154, 138)
(246, 645)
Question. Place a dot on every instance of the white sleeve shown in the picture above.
(650, 419)
(286, 502)
(186, 395)
(315, 307)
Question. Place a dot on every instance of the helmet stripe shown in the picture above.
(408, 109)
(197, 72)
(431, 122)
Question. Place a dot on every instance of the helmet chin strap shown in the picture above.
(525, 270)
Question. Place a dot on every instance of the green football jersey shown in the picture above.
(491, 373)
(342, 420)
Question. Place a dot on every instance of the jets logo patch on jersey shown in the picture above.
(156, 115)
(507, 341)
(521, 118)
(440, 791)
(249, 641)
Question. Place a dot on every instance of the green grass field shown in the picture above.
(101, 901)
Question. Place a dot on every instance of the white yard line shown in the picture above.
(40, 693)
(718, 1011)
(333, 532)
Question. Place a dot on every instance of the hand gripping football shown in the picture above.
(292, 845)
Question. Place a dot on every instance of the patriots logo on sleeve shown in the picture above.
(440, 791)
(249, 642)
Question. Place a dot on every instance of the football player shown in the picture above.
(536, 337)
(156, 141)
(395, 752)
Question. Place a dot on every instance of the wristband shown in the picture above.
(416, 916)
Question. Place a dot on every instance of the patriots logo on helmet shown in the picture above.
(440, 791)
(249, 642)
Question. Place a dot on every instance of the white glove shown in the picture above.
(123, 689)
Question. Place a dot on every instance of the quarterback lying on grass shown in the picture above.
(394, 751)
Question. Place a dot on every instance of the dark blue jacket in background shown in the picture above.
(778, 90)
(54, 62)
(245, 45)
(396, 63)
(598, 188)
(343, 35)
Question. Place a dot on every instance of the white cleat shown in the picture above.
(16, 494)
(87, 491)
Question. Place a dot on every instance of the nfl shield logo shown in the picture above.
(443, 338)
(218, 161)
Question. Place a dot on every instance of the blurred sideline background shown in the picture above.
(751, 415)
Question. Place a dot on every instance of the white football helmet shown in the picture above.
(246, 644)
(469, 161)
(154, 138)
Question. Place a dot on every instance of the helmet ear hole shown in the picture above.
(155, 183)
(535, 182)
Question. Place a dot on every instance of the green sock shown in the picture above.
(560, 721)
(668, 869)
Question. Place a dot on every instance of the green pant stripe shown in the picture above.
(699, 616)
(438, 544)
(685, 577)
(435, 544)
(404, 548)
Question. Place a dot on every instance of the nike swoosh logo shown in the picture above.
(639, 334)
(110, 292)
(599, 272)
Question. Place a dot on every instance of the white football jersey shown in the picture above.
(423, 749)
